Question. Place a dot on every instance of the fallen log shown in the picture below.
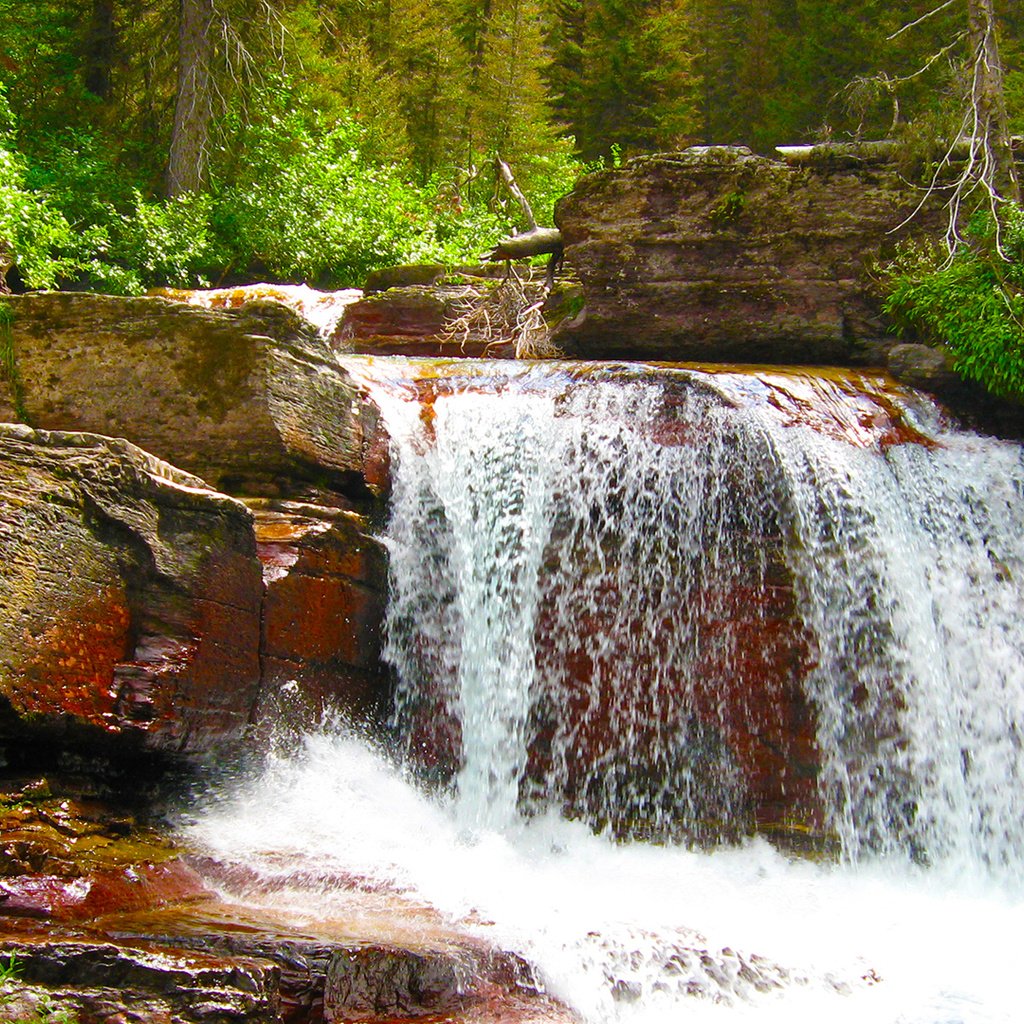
(535, 242)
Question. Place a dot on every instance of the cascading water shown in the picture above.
(590, 584)
(681, 605)
(566, 565)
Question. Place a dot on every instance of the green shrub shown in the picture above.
(304, 202)
(34, 236)
(971, 302)
(293, 196)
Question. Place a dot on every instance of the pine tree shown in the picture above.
(623, 73)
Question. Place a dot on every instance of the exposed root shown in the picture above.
(509, 313)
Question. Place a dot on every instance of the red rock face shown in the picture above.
(99, 892)
(325, 591)
(632, 737)
(76, 656)
(131, 605)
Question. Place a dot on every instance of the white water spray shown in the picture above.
(589, 577)
(580, 564)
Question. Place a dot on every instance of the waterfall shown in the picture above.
(616, 592)
(633, 603)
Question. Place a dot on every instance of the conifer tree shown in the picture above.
(623, 73)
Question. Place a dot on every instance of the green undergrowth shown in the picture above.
(43, 1011)
(970, 302)
(291, 196)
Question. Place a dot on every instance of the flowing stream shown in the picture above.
(639, 615)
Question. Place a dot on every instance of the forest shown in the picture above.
(183, 142)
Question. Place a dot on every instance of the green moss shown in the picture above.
(728, 209)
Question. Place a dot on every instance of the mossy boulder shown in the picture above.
(719, 255)
(250, 399)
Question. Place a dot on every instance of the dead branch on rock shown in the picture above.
(537, 241)
(510, 312)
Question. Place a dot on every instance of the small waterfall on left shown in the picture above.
(477, 501)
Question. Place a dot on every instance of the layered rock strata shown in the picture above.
(130, 597)
(326, 585)
(251, 400)
(716, 254)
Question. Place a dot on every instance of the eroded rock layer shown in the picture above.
(130, 597)
(717, 254)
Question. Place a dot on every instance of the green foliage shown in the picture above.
(1015, 101)
(728, 208)
(33, 234)
(972, 302)
(304, 201)
(11, 969)
(624, 73)
(45, 1011)
(350, 134)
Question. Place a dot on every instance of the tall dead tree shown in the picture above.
(980, 159)
(989, 129)
(193, 108)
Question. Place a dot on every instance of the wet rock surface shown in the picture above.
(130, 598)
(380, 961)
(105, 982)
(68, 853)
(326, 587)
(717, 254)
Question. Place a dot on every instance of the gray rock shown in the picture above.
(719, 255)
(921, 366)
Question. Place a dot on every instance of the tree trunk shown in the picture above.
(536, 242)
(193, 109)
(991, 124)
(100, 49)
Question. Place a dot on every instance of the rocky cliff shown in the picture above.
(719, 255)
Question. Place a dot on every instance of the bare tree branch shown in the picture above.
(510, 183)
(924, 17)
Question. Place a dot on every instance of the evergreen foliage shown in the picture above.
(971, 302)
(343, 134)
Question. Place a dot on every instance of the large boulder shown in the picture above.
(130, 598)
(718, 255)
(251, 400)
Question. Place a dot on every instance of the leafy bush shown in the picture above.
(304, 202)
(971, 302)
(34, 236)
(292, 196)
